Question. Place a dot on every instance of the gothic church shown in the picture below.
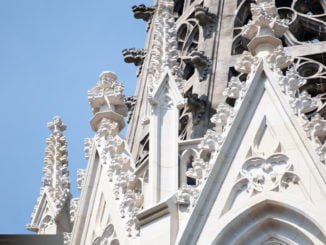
(226, 140)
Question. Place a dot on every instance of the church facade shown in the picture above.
(226, 133)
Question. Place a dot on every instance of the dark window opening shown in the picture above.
(283, 3)
(190, 181)
(143, 151)
(178, 6)
(309, 7)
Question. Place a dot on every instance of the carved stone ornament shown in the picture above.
(118, 162)
(264, 31)
(321, 151)
(130, 102)
(80, 178)
(264, 21)
(107, 86)
(164, 50)
(56, 173)
(291, 83)
(88, 142)
(73, 209)
(188, 195)
(109, 108)
(66, 238)
(211, 141)
(203, 15)
(55, 181)
(108, 237)
(107, 95)
(130, 205)
(209, 146)
(236, 89)
(202, 64)
(199, 171)
(62, 173)
(304, 103)
(135, 56)
(143, 12)
(279, 59)
(196, 105)
(265, 26)
(247, 63)
(107, 128)
(222, 118)
(305, 106)
(260, 174)
(206, 19)
(191, 115)
(145, 121)
(316, 129)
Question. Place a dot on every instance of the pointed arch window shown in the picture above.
(188, 37)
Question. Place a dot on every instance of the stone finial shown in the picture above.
(107, 100)
(106, 91)
(56, 125)
(265, 21)
(264, 29)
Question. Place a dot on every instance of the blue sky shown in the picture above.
(51, 53)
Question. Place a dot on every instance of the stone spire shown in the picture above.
(50, 213)
(107, 101)
(56, 173)
(164, 49)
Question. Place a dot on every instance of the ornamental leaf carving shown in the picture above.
(264, 174)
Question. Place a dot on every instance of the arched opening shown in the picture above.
(188, 37)
(187, 158)
(269, 219)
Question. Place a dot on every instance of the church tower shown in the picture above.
(226, 131)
